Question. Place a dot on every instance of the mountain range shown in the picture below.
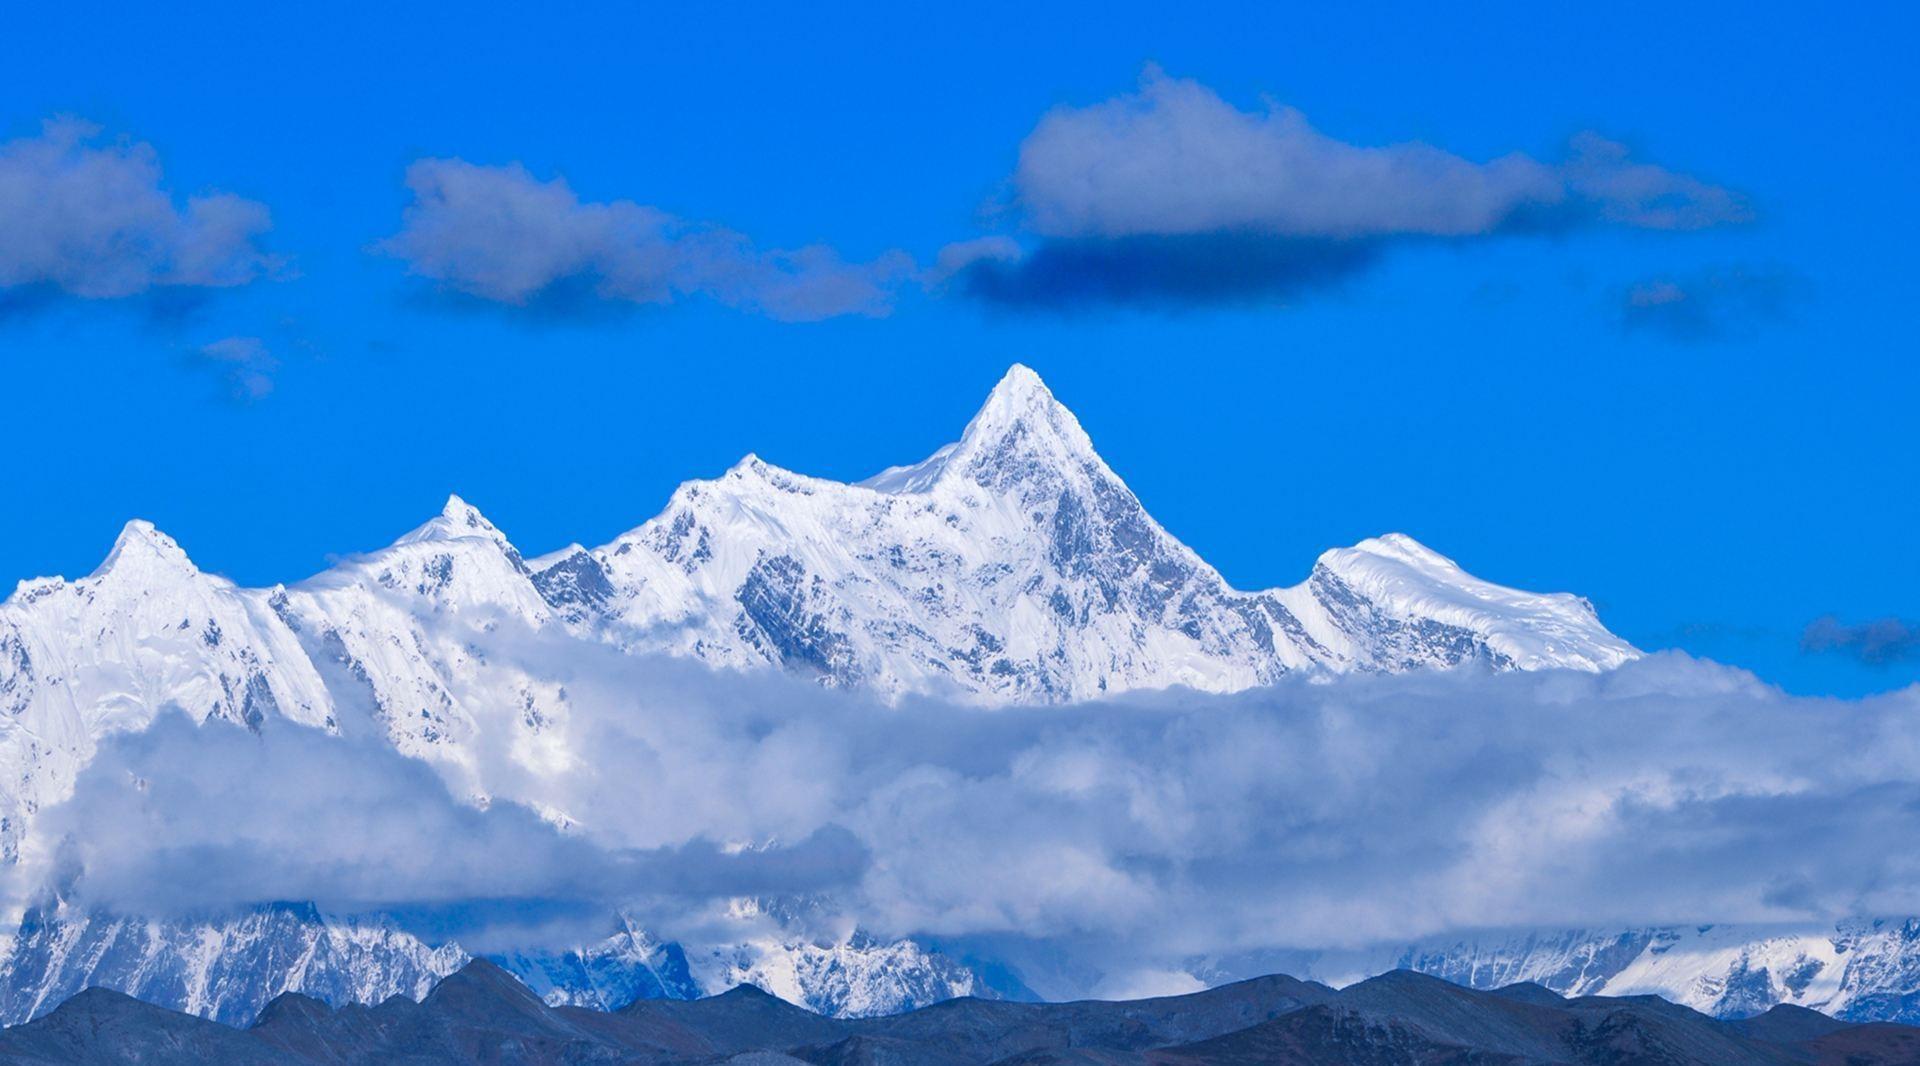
(481, 1014)
(1010, 567)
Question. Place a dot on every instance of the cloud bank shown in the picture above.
(186, 819)
(497, 233)
(1131, 835)
(1145, 186)
(81, 216)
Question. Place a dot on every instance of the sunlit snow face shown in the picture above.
(1141, 833)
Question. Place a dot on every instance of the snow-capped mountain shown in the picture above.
(229, 968)
(1863, 970)
(104, 654)
(394, 629)
(1015, 565)
(226, 969)
(1011, 566)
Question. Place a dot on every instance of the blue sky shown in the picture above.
(1525, 400)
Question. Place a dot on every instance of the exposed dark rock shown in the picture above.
(482, 1014)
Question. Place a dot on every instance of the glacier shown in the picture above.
(1012, 566)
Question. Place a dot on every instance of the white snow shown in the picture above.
(1723, 970)
(1010, 566)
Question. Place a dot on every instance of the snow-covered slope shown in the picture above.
(394, 631)
(1863, 970)
(1015, 565)
(229, 968)
(147, 631)
(226, 969)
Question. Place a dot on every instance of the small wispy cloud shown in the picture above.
(1880, 642)
(244, 364)
(499, 234)
(1709, 305)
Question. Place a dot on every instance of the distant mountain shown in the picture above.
(482, 1014)
(227, 968)
(1865, 970)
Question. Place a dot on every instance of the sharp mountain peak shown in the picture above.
(144, 551)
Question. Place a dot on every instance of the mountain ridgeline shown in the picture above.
(481, 1014)
(1012, 566)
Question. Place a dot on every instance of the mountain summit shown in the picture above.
(143, 553)
(1014, 564)
(1021, 429)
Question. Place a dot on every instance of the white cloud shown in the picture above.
(1172, 196)
(500, 234)
(1174, 158)
(93, 219)
(245, 363)
(1131, 836)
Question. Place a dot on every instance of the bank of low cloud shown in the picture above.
(1131, 835)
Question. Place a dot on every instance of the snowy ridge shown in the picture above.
(1531, 631)
(226, 970)
(1011, 566)
(1862, 970)
(147, 631)
(1014, 565)
(393, 628)
(229, 968)
(852, 975)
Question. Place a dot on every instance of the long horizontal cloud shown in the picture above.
(498, 233)
(1174, 171)
(1131, 835)
(186, 819)
(90, 218)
